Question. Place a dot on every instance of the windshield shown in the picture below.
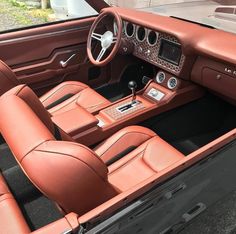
(219, 14)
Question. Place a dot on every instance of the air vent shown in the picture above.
(141, 34)
(160, 77)
(172, 83)
(152, 38)
(129, 30)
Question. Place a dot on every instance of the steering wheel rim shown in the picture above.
(106, 40)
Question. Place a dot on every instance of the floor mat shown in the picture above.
(40, 212)
(7, 160)
(196, 124)
(187, 146)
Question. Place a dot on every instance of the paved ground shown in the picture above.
(218, 219)
(12, 17)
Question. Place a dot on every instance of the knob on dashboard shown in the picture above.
(140, 49)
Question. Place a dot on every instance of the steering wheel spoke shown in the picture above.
(114, 40)
(101, 54)
(97, 36)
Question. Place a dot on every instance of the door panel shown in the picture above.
(35, 54)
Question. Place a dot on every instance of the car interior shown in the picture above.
(95, 112)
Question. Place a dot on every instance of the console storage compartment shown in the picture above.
(75, 121)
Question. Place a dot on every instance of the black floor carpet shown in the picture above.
(116, 91)
(6, 158)
(194, 125)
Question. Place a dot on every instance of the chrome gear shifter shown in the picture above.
(133, 86)
(130, 104)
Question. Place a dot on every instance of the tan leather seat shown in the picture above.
(63, 97)
(143, 155)
(68, 94)
(11, 218)
(78, 178)
(30, 98)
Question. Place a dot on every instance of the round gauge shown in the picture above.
(115, 27)
(152, 38)
(160, 77)
(172, 83)
(129, 29)
(141, 34)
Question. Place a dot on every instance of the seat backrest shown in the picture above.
(69, 173)
(31, 99)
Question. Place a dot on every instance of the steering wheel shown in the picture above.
(109, 39)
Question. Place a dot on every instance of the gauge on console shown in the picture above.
(160, 77)
(172, 83)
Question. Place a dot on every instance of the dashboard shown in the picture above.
(155, 47)
(183, 50)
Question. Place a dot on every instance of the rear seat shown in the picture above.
(13, 222)
(11, 218)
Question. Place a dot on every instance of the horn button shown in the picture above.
(107, 39)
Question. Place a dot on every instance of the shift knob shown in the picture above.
(133, 86)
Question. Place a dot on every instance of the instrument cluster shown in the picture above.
(155, 47)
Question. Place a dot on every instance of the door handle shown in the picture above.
(64, 64)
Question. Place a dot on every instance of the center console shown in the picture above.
(163, 93)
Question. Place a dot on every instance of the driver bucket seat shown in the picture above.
(61, 98)
(76, 177)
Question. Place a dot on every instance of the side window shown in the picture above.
(23, 13)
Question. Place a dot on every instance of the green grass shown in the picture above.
(21, 19)
(18, 4)
(25, 15)
(41, 13)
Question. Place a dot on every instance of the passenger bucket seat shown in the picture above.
(76, 177)
(63, 97)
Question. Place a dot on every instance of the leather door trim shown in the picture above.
(44, 35)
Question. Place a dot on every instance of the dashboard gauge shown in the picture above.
(152, 38)
(141, 33)
(129, 29)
